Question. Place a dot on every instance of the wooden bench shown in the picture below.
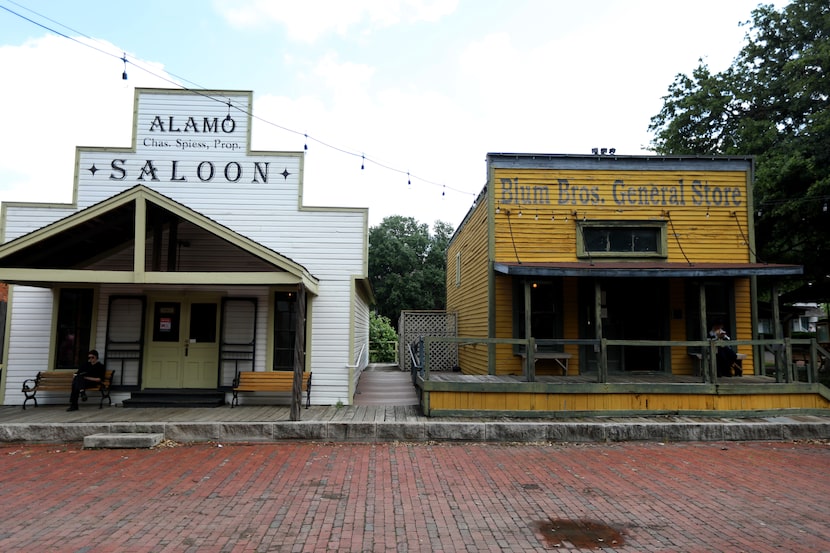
(269, 381)
(61, 381)
(561, 358)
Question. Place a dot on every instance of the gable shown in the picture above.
(144, 233)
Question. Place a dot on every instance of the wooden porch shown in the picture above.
(623, 394)
(786, 386)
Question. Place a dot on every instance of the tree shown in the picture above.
(407, 265)
(773, 102)
(383, 339)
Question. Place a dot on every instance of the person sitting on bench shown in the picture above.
(726, 358)
(91, 373)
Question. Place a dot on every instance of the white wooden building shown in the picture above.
(180, 259)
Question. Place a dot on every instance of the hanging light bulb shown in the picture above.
(362, 161)
(124, 59)
(305, 145)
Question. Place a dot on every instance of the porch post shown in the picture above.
(530, 358)
(708, 361)
(783, 367)
(299, 355)
(778, 334)
(602, 360)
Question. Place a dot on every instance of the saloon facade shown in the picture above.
(182, 258)
(587, 284)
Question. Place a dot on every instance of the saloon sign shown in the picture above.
(174, 147)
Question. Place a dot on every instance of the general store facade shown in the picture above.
(587, 284)
(182, 258)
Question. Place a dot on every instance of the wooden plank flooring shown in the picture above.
(51, 414)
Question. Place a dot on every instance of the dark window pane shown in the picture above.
(596, 240)
(285, 321)
(203, 322)
(74, 327)
(644, 240)
(620, 240)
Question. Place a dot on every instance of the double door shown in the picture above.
(183, 344)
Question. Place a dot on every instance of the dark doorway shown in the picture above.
(635, 309)
(632, 309)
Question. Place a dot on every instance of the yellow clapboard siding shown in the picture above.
(481, 401)
(705, 233)
(468, 296)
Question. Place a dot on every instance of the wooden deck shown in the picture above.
(51, 414)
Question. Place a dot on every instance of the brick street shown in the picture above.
(301, 496)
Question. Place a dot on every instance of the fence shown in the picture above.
(415, 325)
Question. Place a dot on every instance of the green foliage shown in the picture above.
(771, 103)
(407, 265)
(383, 339)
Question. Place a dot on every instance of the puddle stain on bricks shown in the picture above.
(577, 533)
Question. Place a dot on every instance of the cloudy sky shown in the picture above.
(424, 87)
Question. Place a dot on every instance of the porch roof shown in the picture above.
(66, 251)
(644, 269)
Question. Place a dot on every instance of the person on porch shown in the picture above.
(92, 372)
(726, 358)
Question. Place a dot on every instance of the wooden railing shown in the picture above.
(785, 367)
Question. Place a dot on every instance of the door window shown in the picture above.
(203, 322)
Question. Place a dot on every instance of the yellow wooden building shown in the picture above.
(587, 284)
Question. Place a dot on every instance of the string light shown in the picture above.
(195, 90)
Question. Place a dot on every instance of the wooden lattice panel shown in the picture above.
(414, 325)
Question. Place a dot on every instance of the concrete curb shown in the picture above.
(772, 429)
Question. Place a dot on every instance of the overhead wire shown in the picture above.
(308, 137)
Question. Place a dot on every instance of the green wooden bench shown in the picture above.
(61, 381)
(269, 381)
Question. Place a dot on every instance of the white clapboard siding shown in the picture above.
(255, 194)
(21, 219)
(29, 340)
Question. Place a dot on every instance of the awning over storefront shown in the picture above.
(645, 269)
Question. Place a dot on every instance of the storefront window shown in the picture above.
(621, 238)
(74, 327)
(285, 330)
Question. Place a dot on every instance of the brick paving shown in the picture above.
(305, 496)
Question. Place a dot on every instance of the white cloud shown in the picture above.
(309, 20)
(58, 95)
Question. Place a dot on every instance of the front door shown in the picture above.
(183, 346)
